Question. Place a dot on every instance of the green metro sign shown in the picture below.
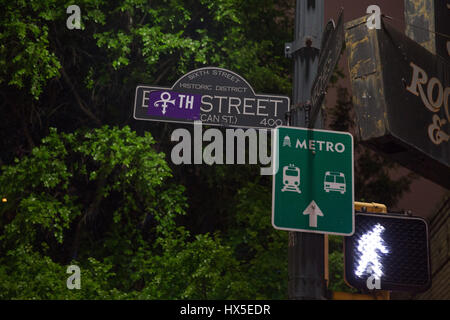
(313, 187)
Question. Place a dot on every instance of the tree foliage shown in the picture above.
(101, 199)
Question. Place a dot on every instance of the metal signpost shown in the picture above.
(305, 250)
(315, 56)
(313, 188)
(214, 96)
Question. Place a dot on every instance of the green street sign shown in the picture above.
(313, 188)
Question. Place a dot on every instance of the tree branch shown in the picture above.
(91, 211)
(78, 98)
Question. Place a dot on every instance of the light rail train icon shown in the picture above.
(291, 179)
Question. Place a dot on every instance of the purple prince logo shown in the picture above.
(172, 104)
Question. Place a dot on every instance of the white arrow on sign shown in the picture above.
(313, 211)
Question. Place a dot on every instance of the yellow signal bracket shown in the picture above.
(4, 200)
(377, 295)
(370, 207)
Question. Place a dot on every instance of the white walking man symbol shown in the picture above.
(371, 245)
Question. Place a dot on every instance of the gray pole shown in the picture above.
(306, 250)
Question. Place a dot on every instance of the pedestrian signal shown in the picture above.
(388, 252)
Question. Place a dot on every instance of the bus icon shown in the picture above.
(334, 181)
(291, 179)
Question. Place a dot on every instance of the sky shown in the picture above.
(424, 195)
